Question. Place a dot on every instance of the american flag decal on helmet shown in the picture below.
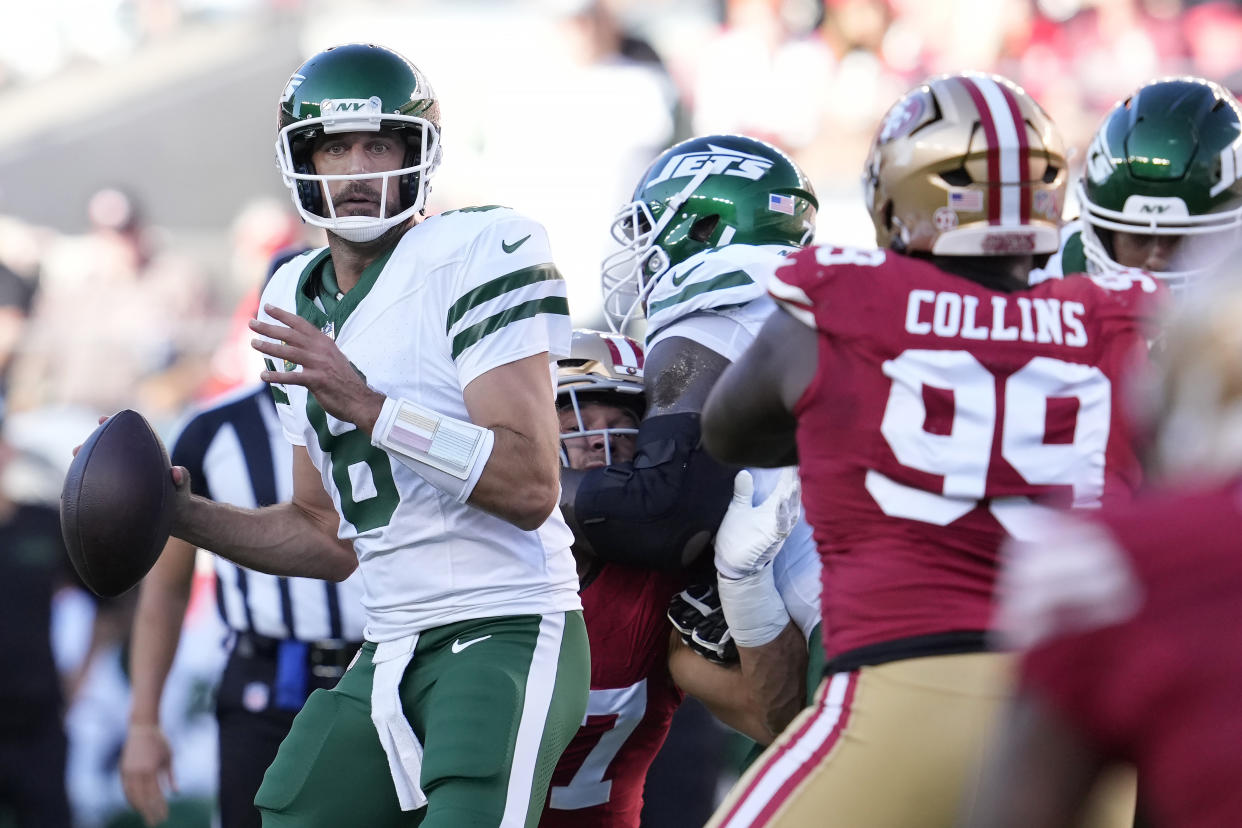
(1009, 157)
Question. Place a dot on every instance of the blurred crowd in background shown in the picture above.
(139, 205)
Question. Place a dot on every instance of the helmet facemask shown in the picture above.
(629, 273)
(574, 398)
(1206, 241)
(310, 190)
(603, 369)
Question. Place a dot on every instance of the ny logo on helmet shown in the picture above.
(347, 105)
(718, 160)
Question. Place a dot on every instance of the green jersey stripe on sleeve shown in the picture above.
(476, 332)
(496, 287)
(734, 278)
(278, 393)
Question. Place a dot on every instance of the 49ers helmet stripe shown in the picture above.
(1024, 154)
(1008, 156)
(624, 351)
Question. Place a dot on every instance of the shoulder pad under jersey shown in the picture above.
(715, 279)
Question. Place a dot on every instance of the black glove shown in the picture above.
(695, 612)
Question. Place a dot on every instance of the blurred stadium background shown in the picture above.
(139, 202)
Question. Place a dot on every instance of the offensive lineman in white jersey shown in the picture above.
(410, 361)
(710, 220)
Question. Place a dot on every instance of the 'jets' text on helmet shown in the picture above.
(966, 165)
(604, 368)
(357, 88)
(703, 193)
(1165, 162)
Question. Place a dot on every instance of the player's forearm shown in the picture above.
(521, 480)
(719, 688)
(776, 674)
(162, 602)
(284, 539)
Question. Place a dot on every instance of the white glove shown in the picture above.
(751, 534)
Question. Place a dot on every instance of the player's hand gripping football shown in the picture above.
(326, 371)
(751, 534)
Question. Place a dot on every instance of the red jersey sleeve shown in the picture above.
(806, 284)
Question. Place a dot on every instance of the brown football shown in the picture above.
(116, 508)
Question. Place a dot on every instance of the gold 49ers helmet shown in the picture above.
(967, 165)
(604, 368)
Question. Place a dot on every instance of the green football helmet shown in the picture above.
(1165, 162)
(357, 88)
(703, 193)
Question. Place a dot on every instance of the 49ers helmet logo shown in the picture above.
(903, 117)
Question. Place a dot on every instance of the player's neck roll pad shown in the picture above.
(647, 511)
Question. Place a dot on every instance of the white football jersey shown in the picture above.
(461, 293)
(719, 299)
(729, 281)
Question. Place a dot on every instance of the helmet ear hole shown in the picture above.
(410, 183)
(957, 178)
(703, 229)
(308, 191)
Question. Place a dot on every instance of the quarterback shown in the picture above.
(410, 363)
(928, 400)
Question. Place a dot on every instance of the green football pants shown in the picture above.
(494, 702)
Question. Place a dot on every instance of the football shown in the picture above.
(116, 508)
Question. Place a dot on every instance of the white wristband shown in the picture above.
(753, 607)
(446, 452)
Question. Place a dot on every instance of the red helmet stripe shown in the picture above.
(1008, 154)
(989, 135)
(625, 351)
(1024, 154)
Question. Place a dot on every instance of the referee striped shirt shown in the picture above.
(236, 453)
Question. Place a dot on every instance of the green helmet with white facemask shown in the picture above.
(357, 88)
(1165, 162)
(700, 194)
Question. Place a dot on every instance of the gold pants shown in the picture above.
(899, 745)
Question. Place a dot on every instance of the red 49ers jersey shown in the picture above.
(940, 410)
(598, 782)
(1145, 660)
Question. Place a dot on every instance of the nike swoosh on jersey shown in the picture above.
(679, 278)
(458, 645)
(509, 248)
